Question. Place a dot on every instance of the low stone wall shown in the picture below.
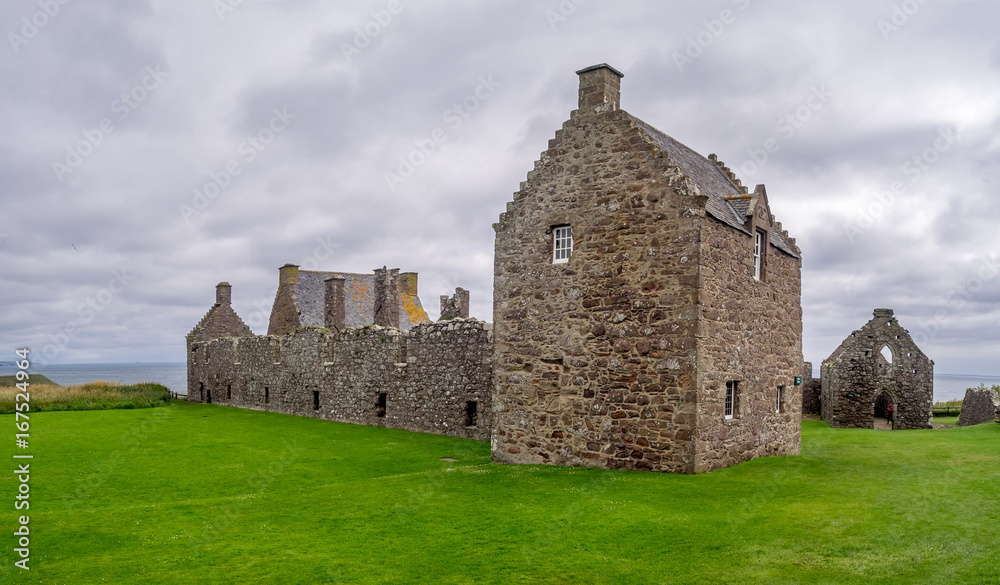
(980, 405)
(434, 378)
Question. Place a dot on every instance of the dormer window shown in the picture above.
(562, 243)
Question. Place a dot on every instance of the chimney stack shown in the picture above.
(334, 314)
(288, 274)
(600, 87)
(455, 307)
(223, 293)
(387, 297)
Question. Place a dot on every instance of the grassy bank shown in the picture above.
(11, 381)
(98, 395)
(193, 494)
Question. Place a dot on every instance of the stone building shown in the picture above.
(646, 304)
(351, 348)
(877, 366)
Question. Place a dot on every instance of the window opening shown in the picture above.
(758, 250)
(315, 399)
(380, 407)
(562, 244)
(471, 413)
(732, 407)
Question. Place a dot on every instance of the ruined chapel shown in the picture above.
(646, 315)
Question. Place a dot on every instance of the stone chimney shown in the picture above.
(334, 313)
(288, 274)
(883, 313)
(600, 87)
(387, 297)
(408, 283)
(223, 293)
(455, 307)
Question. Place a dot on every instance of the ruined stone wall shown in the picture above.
(811, 390)
(595, 357)
(856, 373)
(429, 375)
(751, 333)
(980, 405)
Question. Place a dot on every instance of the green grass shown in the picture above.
(98, 395)
(10, 381)
(946, 420)
(203, 494)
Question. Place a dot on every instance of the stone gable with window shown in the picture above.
(877, 366)
(668, 335)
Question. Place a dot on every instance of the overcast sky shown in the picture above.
(152, 149)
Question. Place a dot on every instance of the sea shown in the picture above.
(173, 375)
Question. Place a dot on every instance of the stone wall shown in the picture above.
(811, 390)
(751, 333)
(595, 356)
(434, 378)
(980, 405)
(856, 373)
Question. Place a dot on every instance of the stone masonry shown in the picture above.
(670, 337)
(980, 405)
(878, 361)
(435, 377)
(811, 390)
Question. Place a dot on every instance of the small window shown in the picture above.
(380, 406)
(209, 396)
(562, 244)
(779, 400)
(471, 413)
(315, 399)
(201, 390)
(732, 408)
(267, 394)
(229, 391)
(758, 255)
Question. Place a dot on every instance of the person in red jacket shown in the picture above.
(888, 414)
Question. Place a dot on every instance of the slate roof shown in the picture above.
(359, 302)
(712, 183)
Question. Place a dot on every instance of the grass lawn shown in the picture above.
(204, 494)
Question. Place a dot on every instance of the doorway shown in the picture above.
(885, 412)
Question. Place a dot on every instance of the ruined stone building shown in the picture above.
(354, 348)
(646, 304)
(979, 405)
(877, 366)
(646, 316)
